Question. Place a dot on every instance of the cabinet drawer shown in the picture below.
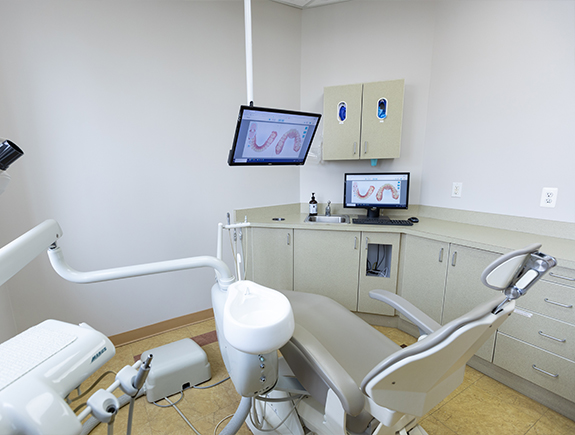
(550, 299)
(561, 275)
(544, 332)
(543, 368)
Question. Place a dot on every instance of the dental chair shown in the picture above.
(362, 382)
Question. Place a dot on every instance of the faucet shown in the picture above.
(328, 209)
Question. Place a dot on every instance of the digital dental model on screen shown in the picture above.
(375, 191)
(267, 136)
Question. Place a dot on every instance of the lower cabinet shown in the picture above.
(378, 269)
(343, 265)
(325, 263)
(537, 342)
(423, 272)
(269, 259)
(444, 280)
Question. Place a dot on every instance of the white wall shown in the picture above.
(490, 97)
(126, 110)
(502, 105)
(360, 42)
(126, 113)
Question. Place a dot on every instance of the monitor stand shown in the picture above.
(373, 213)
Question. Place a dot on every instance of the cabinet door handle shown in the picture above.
(568, 278)
(441, 255)
(355, 148)
(560, 340)
(545, 372)
(454, 259)
(558, 303)
(288, 239)
(366, 242)
(365, 147)
(355, 243)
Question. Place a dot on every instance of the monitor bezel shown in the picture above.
(378, 206)
(270, 162)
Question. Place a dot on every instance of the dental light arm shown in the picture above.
(225, 278)
(18, 253)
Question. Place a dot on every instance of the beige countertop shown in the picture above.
(472, 235)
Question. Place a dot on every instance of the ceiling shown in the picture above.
(304, 4)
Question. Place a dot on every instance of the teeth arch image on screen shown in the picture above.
(252, 139)
(290, 134)
(379, 195)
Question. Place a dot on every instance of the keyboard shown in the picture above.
(376, 221)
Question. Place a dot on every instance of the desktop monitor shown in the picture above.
(272, 136)
(375, 191)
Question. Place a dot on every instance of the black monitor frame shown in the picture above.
(373, 207)
(242, 132)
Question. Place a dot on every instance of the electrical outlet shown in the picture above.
(549, 196)
(456, 190)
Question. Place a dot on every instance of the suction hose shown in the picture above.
(239, 417)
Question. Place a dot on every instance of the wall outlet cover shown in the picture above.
(549, 197)
(456, 190)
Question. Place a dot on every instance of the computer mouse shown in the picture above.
(413, 219)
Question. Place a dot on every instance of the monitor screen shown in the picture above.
(272, 136)
(376, 190)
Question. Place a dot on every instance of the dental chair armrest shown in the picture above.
(328, 368)
(425, 323)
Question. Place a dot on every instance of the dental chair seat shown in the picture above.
(333, 349)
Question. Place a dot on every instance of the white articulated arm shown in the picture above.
(425, 323)
(65, 271)
(18, 253)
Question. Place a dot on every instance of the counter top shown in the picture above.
(475, 236)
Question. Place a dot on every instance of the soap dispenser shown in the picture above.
(313, 205)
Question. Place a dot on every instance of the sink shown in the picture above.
(334, 219)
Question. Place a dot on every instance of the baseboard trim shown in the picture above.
(161, 327)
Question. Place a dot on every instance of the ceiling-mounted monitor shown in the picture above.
(267, 136)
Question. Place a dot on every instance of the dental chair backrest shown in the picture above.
(415, 379)
(418, 377)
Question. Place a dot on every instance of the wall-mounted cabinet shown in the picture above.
(363, 121)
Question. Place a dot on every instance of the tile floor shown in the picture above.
(480, 406)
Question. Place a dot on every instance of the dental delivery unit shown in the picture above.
(336, 374)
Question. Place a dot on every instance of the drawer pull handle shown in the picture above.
(568, 278)
(558, 303)
(545, 372)
(560, 340)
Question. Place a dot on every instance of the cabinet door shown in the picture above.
(464, 289)
(341, 137)
(326, 263)
(382, 116)
(270, 257)
(423, 273)
(377, 270)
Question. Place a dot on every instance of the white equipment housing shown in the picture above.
(176, 366)
(40, 367)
